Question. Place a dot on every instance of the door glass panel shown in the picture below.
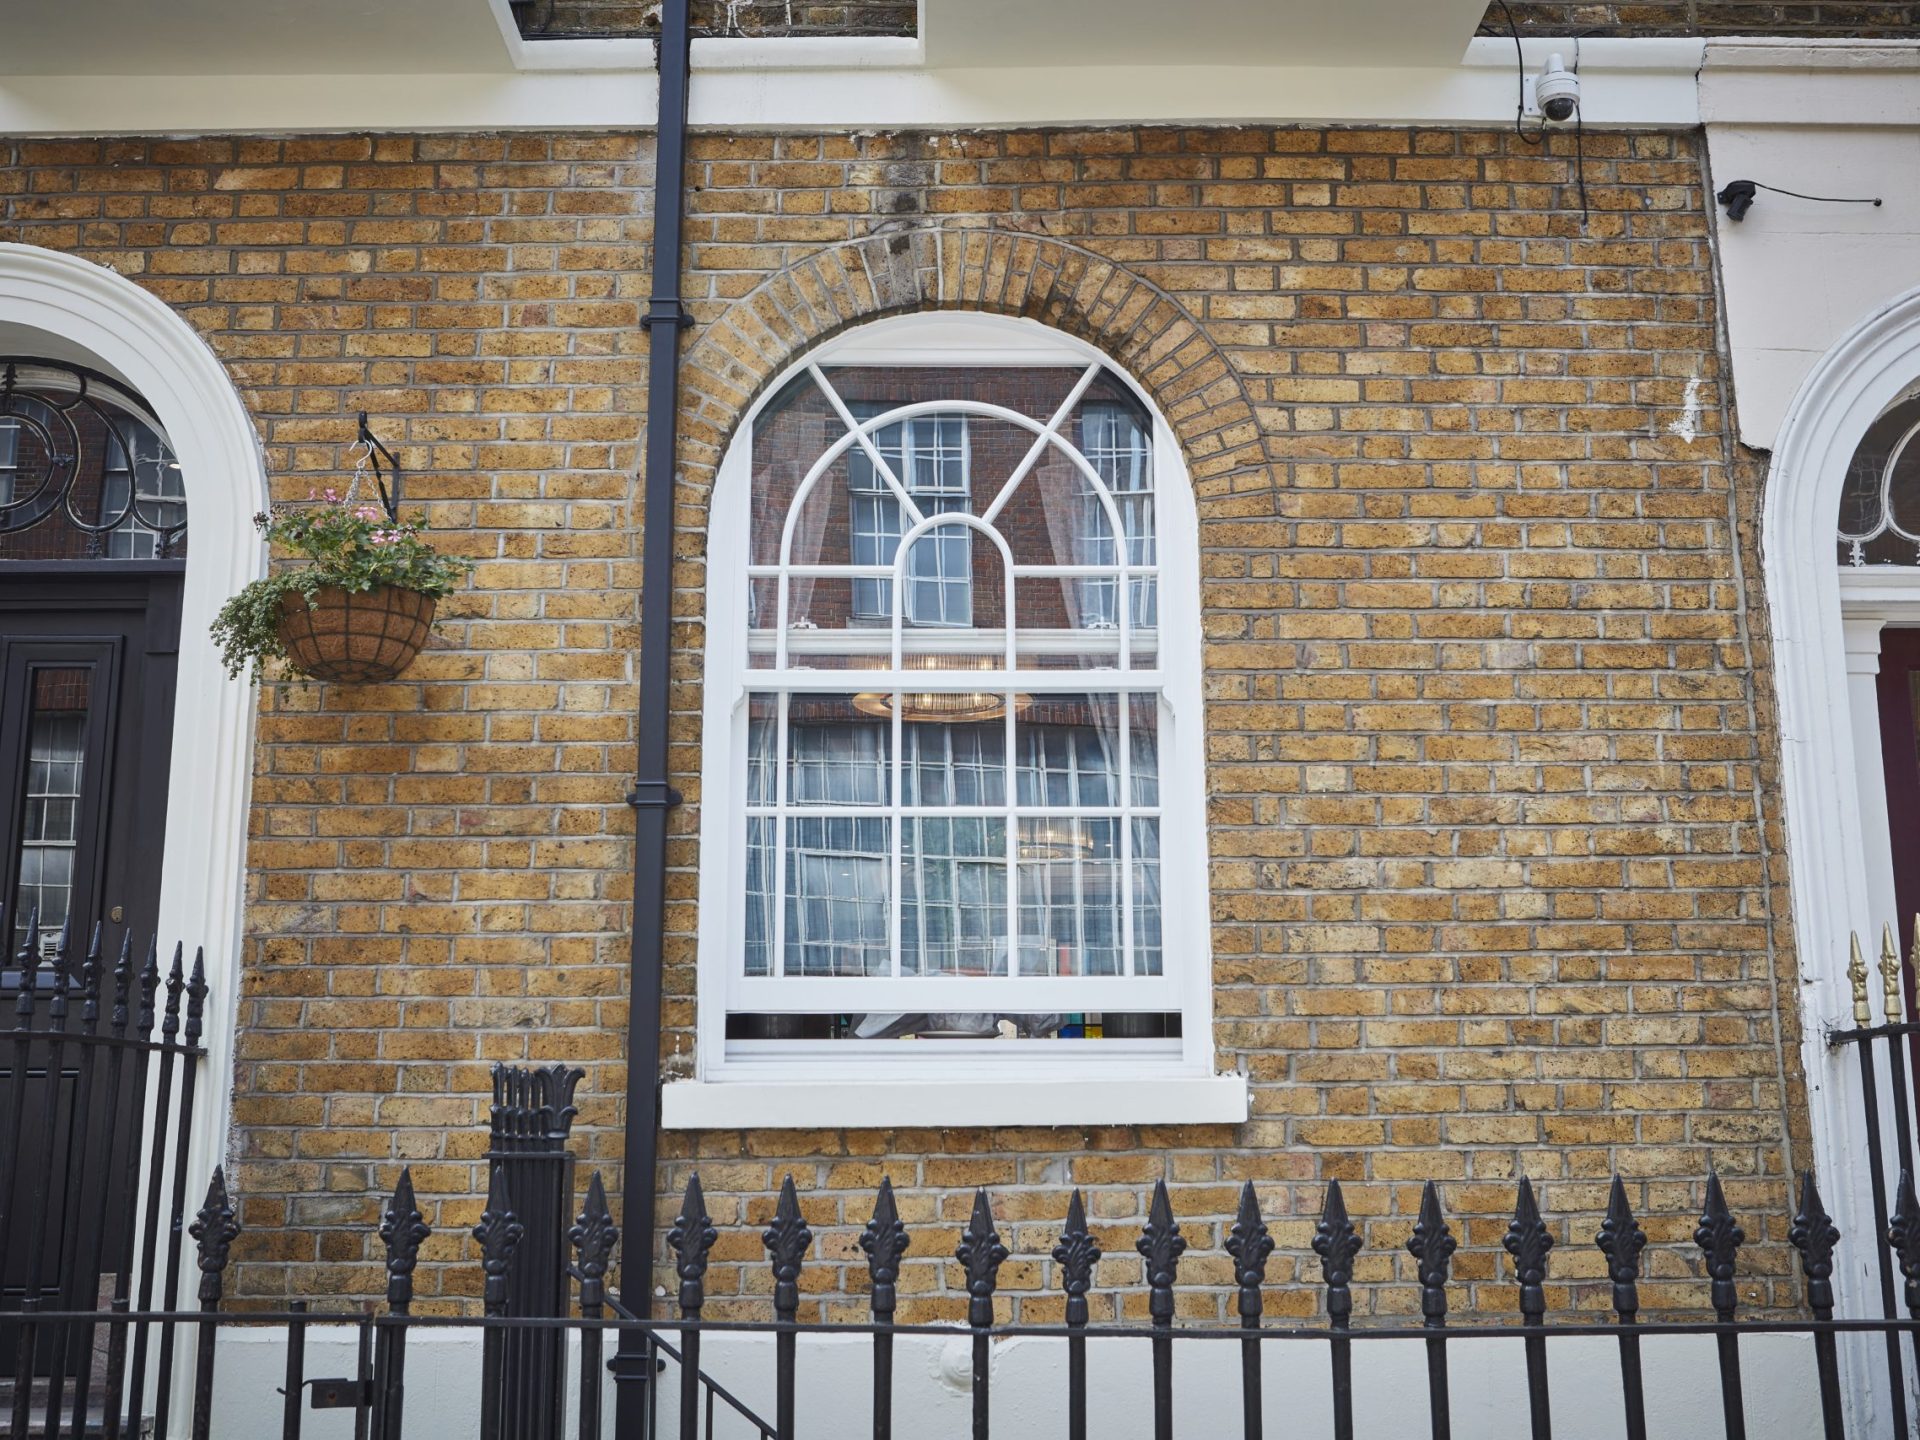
(50, 800)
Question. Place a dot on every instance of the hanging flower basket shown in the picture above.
(356, 612)
(354, 639)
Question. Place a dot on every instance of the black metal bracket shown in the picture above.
(342, 1394)
(376, 452)
(665, 311)
(653, 795)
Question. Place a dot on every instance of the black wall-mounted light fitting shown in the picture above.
(1738, 196)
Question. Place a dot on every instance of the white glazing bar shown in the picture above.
(1033, 682)
(958, 812)
(1011, 795)
(859, 432)
(883, 572)
(897, 879)
(1124, 880)
(1029, 994)
(780, 841)
(1040, 443)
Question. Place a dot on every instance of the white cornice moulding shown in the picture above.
(831, 84)
(1811, 83)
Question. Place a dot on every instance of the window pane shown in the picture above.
(837, 754)
(64, 457)
(1146, 896)
(1143, 734)
(953, 896)
(1069, 751)
(1069, 896)
(955, 764)
(837, 896)
(1879, 520)
(56, 755)
(762, 837)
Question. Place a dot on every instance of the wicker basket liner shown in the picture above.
(355, 639)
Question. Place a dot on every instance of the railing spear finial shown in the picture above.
(691, 1237)
(593, 1237)
(885, 1240)
(1814, 1235)
(981, 1255)
(1162, 1245)
(787, 1239)
(1336, 1242)
(403, 1229)
(1890, 973)
(1249, 1243)
(1076, 1254)
(1621, 1240)
(1857, 978)
(1432, 1246)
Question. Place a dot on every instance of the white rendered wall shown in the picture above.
(1825, 119)
(932, 1400)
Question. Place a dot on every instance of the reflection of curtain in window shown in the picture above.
(1059, 484)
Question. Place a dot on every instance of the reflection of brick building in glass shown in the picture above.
(64, 456)
(1052, 519)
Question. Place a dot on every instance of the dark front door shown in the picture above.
(1899, 694)
(87, 668)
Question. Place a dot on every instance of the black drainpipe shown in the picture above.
(652, 796)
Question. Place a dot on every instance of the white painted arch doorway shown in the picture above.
(64, 308)
(1826, 621)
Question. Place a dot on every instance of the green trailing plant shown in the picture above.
(344, 543)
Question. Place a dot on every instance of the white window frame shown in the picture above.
(768, 1083)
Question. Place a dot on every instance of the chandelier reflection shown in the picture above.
(943, 707)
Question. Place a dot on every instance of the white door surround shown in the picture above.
(63, 308)
(1826, 621)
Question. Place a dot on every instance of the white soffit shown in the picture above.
(250, 37)
(872, 85)
(1057, 33)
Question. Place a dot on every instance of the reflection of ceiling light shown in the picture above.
(1048, 841)
(941, 707)
(948, 707)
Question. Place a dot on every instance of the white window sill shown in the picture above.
(892, 1103)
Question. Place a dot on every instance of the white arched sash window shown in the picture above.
(952, 799)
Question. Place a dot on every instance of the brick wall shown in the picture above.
(721, 17)
(1886, 19)
(1489, 798)
(1882, 19)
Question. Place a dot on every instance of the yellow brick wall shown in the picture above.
(1495, 844)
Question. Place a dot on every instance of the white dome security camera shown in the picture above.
(1557, 91)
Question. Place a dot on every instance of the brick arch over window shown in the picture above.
(1138, 325)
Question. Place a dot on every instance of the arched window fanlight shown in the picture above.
(1880, 507)
(85, 472)
(954, 710)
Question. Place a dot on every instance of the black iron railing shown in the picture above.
(378, 1389)
(95, 1132)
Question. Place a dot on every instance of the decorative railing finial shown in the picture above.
(885, 1240)
(1857, 978)
(1890, 982)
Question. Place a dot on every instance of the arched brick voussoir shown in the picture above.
(1141, 327)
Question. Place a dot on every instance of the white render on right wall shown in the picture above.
(1838, 117)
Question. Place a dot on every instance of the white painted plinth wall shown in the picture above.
(932, 1400)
